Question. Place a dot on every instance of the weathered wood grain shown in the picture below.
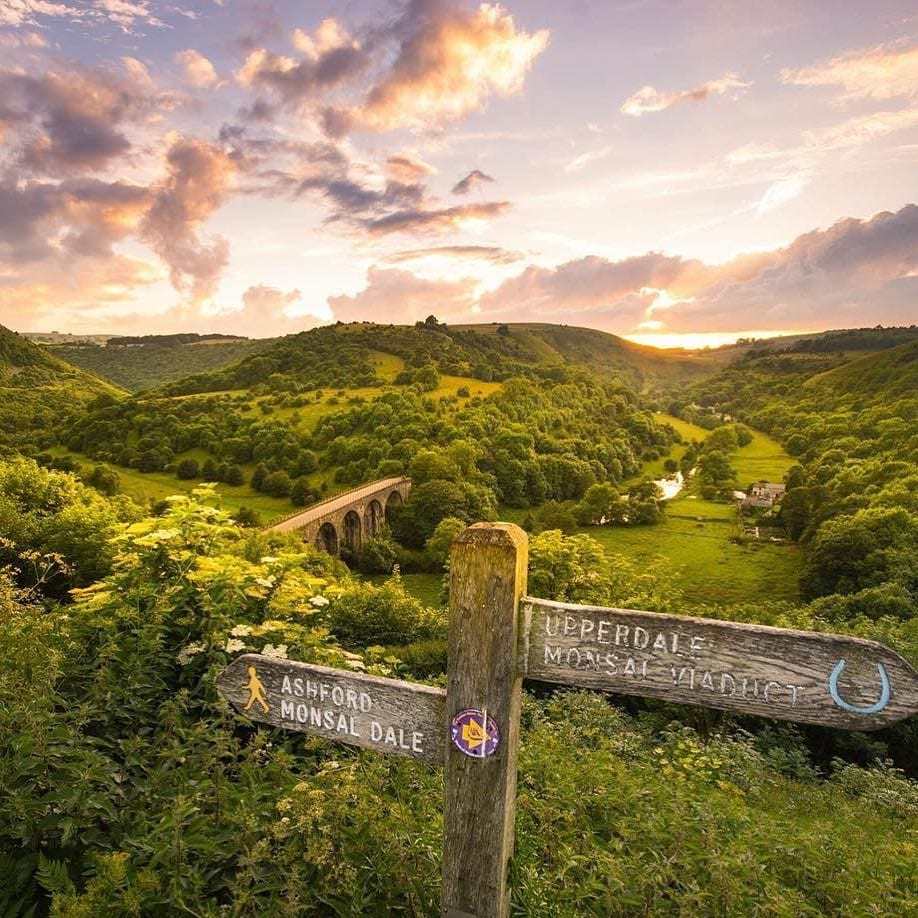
(487, 578)
(828, 679)
(387, 715)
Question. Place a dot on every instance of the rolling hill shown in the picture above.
(150, 361)
(342, 356)
(885, 375)
(39, 390)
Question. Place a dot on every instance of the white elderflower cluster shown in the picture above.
(185, 655)
(318, 601)
(280, 652)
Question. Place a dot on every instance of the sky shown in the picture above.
(681, 172)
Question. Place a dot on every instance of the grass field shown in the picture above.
(693, 544)
(762, 458)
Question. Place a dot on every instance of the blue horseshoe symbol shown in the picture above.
(853, 708)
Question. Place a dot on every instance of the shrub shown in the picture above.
(364, 614)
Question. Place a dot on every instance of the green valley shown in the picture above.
(138, 565)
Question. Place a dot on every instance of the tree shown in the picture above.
(248, 518)
(259, 476)
(670, 466)
(715, 473)
(187, 469)
(598, 505)
(555, 515)
(427, 378)
(852, 552)
(232, 474)
(105, 479)
(377, 555)
(308, 462)
(438, 545)
(45, 513)
(301, 492)
(209, 470)
(432, 501)
(277, 484)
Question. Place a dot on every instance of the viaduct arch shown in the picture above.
(348, 519)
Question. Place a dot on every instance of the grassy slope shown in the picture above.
(641, 364)
(38, 390)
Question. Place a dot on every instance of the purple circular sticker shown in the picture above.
(475, 733)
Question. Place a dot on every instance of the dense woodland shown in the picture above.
(127, 787)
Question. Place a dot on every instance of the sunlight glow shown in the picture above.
(695, 340)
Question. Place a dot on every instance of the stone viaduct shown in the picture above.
(349, 518)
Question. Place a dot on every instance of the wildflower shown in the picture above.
(188, 651)
(279, 652)
(241, 630)
(233, 646)
(318, 601)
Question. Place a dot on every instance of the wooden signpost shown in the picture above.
(498, 636)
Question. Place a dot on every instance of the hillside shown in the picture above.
(845, 341)
(340, 356)
(39, 390)
(150, 361)
(887, 375)
(848, 419)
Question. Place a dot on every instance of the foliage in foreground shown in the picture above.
(128, 788)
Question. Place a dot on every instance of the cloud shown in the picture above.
(123, 13)
(200, 176)
(402, 297)
(475, 178)
(265, 310)
(782, 192)
(584, 159)
(883, 72)
(487, 253)
(449, 62)
(862, 129)
(73, 121)
(330, 59)
(66, 290)
(78, 217)
(435, 220)
(25, 40)
(197, 70)
(647, 99)
(855, 272)
(405, 168)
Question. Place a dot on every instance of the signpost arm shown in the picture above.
(487, 578)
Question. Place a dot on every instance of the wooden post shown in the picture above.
(487, 578)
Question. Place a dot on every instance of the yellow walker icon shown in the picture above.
(256, 691)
